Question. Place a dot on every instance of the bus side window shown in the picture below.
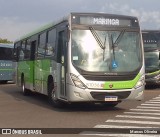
(22, 50)
(41, 45)
(51, 43)
(27, 51)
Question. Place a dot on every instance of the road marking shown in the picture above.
(133, 122)
(154, 100)
(151, 107)
(120, 126)
(142, 113)
(147, 107)
(145, 110)
(150, 104)
(142, 117)
(116, 135)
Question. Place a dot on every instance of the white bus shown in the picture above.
(85, 57)
(151, 40)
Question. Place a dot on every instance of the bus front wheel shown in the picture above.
(52, 97)
(24, 90)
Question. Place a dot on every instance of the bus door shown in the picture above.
(62, 54)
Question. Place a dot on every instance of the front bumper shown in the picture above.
(90, 95)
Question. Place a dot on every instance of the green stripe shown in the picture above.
(152, 73)
(122, 84)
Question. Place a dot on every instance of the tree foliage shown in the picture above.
(5, 41)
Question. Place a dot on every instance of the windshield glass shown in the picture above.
(6, 53)
(152, 61)
(106, 51)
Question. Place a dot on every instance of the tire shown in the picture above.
(52, 99)
(24, 90)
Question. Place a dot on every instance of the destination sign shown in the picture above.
(106, 21)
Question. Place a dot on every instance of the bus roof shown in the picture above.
(41, 29)
(52, 24)
(6, 45)
(103, 14)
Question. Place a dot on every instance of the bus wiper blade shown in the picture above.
(104, 48)
(97, 38)
(119, 37)
(113, 46)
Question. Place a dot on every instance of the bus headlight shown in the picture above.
(77, 82)
(141, 82)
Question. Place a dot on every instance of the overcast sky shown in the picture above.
(18, 17)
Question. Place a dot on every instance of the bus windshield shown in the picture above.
(106, 51)
(152, 61)
(5, 53)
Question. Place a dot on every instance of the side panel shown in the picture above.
(42, 71)
(25, 68)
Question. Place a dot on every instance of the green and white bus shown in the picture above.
(85, 57)
(151, 40)
(6, 63)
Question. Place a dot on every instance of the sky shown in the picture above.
(19, 17)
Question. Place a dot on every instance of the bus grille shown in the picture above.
(109, 78)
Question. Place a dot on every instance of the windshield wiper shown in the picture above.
(113, 46)
(97, 38)
(104, 47)
(116, 41)
(119, 37)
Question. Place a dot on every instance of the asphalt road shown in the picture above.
(18, 111)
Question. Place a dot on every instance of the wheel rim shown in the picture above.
(53, 95)
(23, 88)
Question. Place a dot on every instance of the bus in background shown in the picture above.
(85, 57)
(6, 64)
(151, 40)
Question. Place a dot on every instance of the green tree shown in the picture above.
(5, 41)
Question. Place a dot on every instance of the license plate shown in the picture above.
(111, 98)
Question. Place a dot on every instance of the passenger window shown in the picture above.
(51, 43)
(41, 46)
(16, 51)
(27, 51)
(22, 50)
